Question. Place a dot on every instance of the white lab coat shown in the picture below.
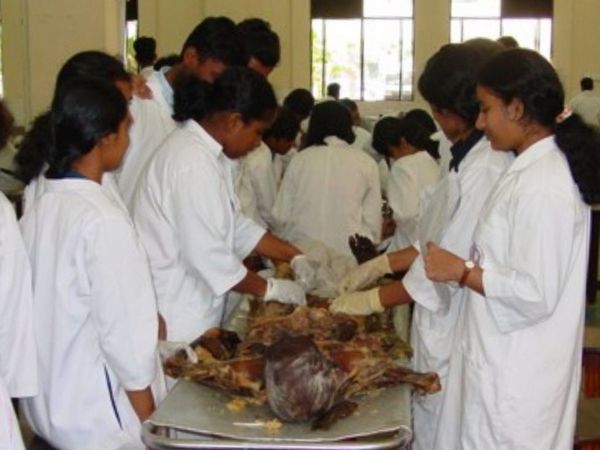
(587, 105)
(409, 177)
(255, 185)
(95, 315)
(189, 220)
(18, 368)
(281, 163)
(152, 122)
(329, 193)
(364, 140)
(515, 371)
(435, 314)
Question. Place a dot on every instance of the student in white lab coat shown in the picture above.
(256, 181)
(18, 369)
(331, 189)
(281, 138)
(363, 138)
(413, 170)
(261, 45)
(94, 306)
(516, 366)
(449, 216)
(213, 45)
(188, 215)
(33, 153)
(301, 102)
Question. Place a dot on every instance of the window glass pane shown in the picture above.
(523, 30)
(407, 60)
(387, 8)
(545, 46)
(455, 30)
(131, 35)
(342, 56)
(475, 8)
(486, 28)
(381, 59)
(317, 57)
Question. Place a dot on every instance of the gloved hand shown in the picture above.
(360, 303)
(285, 291)
(304, 273)
(365, 274)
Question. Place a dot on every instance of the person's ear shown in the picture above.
(234, 122)
(190, 57)
(107, 141)
(515, 110)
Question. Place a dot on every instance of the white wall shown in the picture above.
(38, 35)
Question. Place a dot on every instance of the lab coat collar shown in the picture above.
(207, 140)
(533, 153)
(71, 184)
(334, 141)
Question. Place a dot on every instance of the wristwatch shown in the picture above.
(469, 265)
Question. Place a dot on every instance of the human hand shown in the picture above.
(365, 274)
(360, 303)
(304, 273)
(441, 265)
(285, 291)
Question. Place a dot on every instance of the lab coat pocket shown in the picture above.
(432, 344)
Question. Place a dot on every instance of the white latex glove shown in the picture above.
(360, 303)
(303, 271)
(285, 291)
(365, 274)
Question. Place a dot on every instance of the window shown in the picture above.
(530, 25)
(365, 46)
(131, 34)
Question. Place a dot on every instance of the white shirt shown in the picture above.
(281, 163)
(364, 140)
(147, 72)
(514, 375)
(152, 122)
(95, 315)
(189, 220)
(255, 185)
(409, 177)
(587, 105)
(436, 309)
(18, 366)
(329, 193)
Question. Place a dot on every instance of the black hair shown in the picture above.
(329, 118)
(527, 76)
(507, 42)
(389, 130)
(168, 61)
(300, 102)
(237, 89)
(83, 111)
(217, 38)
(92, 64)
(333, 90)
(350, 104)
(423, 118)
(7, 122)
(286, 125)
(36, 144)
(145, 50)
(449, 78)
(587, 84)
(260, 41)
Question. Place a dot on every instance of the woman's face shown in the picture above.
(499, 121)
(243, 137)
